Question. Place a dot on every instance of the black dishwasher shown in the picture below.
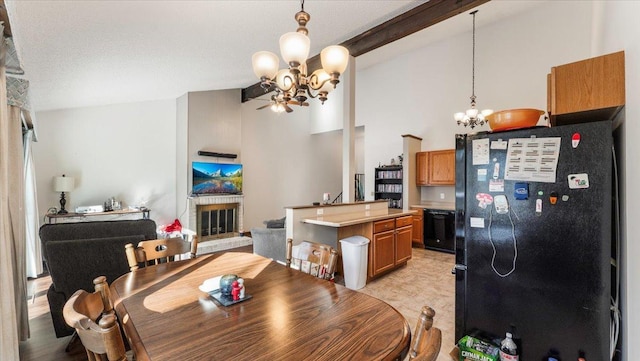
(439, 230)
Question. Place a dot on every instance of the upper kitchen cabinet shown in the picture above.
(436, 168)
(587, 90)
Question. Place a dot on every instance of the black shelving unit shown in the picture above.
(388, 185)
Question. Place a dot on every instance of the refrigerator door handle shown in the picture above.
(458, 267)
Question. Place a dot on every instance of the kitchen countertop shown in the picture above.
(349, 219)
(445, 206)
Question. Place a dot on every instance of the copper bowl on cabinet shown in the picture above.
(514, 119)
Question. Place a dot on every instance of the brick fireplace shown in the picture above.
(218, 221)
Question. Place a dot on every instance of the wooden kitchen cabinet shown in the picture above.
(422, 164)
(403, 245)
(587, 90)
(383, 252)
(390, 244)
(417, 234)
(436, 168)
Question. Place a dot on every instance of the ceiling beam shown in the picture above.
(414, 20)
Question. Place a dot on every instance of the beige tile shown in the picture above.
(425, 280)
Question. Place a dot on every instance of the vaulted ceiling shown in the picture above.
(88, 53)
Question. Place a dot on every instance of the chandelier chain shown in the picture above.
(473, 59)
(472, 116)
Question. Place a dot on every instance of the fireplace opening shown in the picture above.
(217, 221)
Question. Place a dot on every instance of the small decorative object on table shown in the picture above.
(231, 290)
(226, 284)
(241, 283)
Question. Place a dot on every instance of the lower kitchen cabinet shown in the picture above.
(390, 244)
(418, 227)
(403, 245)
(383, 252)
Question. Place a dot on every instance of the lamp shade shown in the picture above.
(294, 47)
(63, 184)
(334, 59)
(317, 78)
(285, 79)
(265, 64)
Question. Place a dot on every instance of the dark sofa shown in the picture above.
(76, 253)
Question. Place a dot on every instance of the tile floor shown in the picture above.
(425, 280)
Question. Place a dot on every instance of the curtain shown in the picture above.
(9, 336)
(13, 302)
(34, 249)
(18, 97)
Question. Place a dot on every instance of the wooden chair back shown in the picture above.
(427, 341)
(93, 317)
(159, 251)
(316, 259)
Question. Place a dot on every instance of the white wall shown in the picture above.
(418, 92)
(619, 29)
(284, 164)
(126, 151)
(183, 164)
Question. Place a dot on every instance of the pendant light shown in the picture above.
(472, 117)
(292, 84)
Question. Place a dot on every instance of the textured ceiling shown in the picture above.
(88, 53)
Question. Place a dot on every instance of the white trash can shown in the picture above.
(354, 261)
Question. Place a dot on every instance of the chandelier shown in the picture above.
(472, 117)
(293, 85)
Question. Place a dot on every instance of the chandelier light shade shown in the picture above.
(472, 117)
(265, 64)
(334, 59)
(294, 48)
(293, 85)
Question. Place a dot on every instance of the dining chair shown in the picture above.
(94, 320)
(427, 341)
(316, 259)
(159, 251)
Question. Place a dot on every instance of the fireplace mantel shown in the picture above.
(194, 202)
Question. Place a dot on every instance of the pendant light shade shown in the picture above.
(265, 64)
(294, 47)
(334, 59)
(319, 77)
(284, 80)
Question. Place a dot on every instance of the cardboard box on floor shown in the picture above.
(455, 353)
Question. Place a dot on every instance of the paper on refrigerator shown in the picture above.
(532, 159)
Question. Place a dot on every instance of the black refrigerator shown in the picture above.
(534, 238)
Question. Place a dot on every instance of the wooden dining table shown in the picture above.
(289, 316)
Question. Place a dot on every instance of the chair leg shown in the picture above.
(74, 337)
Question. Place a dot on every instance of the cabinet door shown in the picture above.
(383, 250)
(403, 244)
(422, 166)
(590, 84)
(417, 239)
(442, 164)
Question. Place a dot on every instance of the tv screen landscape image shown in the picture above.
(216, 178)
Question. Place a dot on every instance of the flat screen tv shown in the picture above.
(216, 178)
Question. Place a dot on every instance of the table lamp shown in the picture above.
(63, 184)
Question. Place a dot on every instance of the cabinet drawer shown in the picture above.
(404, 221)
(382, 226)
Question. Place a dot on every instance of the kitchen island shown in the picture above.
(389, 230)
